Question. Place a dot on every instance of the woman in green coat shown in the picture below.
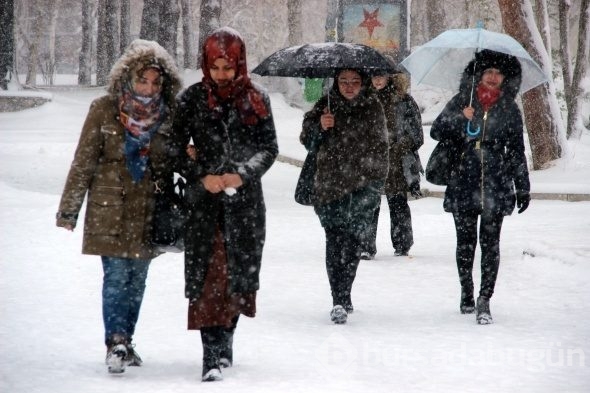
(121, 151)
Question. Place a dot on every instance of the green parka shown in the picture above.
(119, 211)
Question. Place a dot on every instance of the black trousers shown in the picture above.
(400, 217)
(342, 260)
(489, 242)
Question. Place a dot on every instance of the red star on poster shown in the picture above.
(371, 21)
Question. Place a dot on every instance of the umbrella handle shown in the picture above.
(470, 132)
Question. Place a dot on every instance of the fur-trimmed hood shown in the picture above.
(141, 53)
(484, 59)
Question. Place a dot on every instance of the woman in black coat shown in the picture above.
(404, 128)
(349, 127)
(232, 128)
(489, 172)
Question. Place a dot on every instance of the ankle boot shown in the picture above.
(467, 305)
(211, 339)
(116, 358)
(226, 355)
(484, 316)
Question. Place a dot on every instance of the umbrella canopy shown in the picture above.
(440, 62)
(320, 60)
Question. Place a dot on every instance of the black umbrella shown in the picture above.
(320, 60)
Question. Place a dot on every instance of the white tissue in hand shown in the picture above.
(230, 191)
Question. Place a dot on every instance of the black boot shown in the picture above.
(226, 355)
(484, 316)
(467, 305)
(211, 338)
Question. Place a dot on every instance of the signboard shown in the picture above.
(382, 25)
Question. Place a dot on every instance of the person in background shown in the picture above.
(230, 122)
(349, 125)
(404, 126)
(121, 151)
(484, 124)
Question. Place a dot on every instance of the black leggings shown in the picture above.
(342, 260)
(489, 241)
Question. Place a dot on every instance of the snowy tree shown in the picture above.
(6, 41)
(209, 21)
(84, 58)
(187, 33)
(294, 22)
(541, 109)
(124, 26)
(572, 82)
(435, 16)
(107, 38)
(35, 14)
(159, 23)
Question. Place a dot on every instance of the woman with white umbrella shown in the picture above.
(489, 174)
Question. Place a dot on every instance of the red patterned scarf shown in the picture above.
(227, 44)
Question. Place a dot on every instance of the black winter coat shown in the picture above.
(488, 168)
(404, 128)
(351, 160)
(224, 145)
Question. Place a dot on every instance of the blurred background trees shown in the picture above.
(39, 38)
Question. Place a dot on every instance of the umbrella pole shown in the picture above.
(472, 84)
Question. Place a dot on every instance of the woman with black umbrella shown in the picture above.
(349, 126)
(490, 175)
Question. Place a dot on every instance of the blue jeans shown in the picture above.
(122, 293)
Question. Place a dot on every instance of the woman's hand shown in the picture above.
(327, 120)
(217, 183)
(232, 180)
(191, 151)
(213, 183)
(468, 112)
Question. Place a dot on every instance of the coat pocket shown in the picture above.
(105, 211)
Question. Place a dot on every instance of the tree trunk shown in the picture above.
(564, 49)
(150, 20)
(6, 42)
(209, 21)
(542, 19)
(33, 60)
(168, 26)
(575, 124)
(435, 15)
(541, 109)
(85, 66)
(125, 26)
(50, 63)
(105, 46)
(294, 22)
(187, 34)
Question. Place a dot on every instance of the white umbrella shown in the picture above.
(441, 61)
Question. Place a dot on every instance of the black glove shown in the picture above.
(522, 201)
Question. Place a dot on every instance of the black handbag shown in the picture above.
(169, 217)
(304, 188)
(440, 164)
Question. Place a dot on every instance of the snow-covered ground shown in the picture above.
(406, 334)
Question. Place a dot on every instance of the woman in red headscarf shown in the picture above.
(230, 122)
